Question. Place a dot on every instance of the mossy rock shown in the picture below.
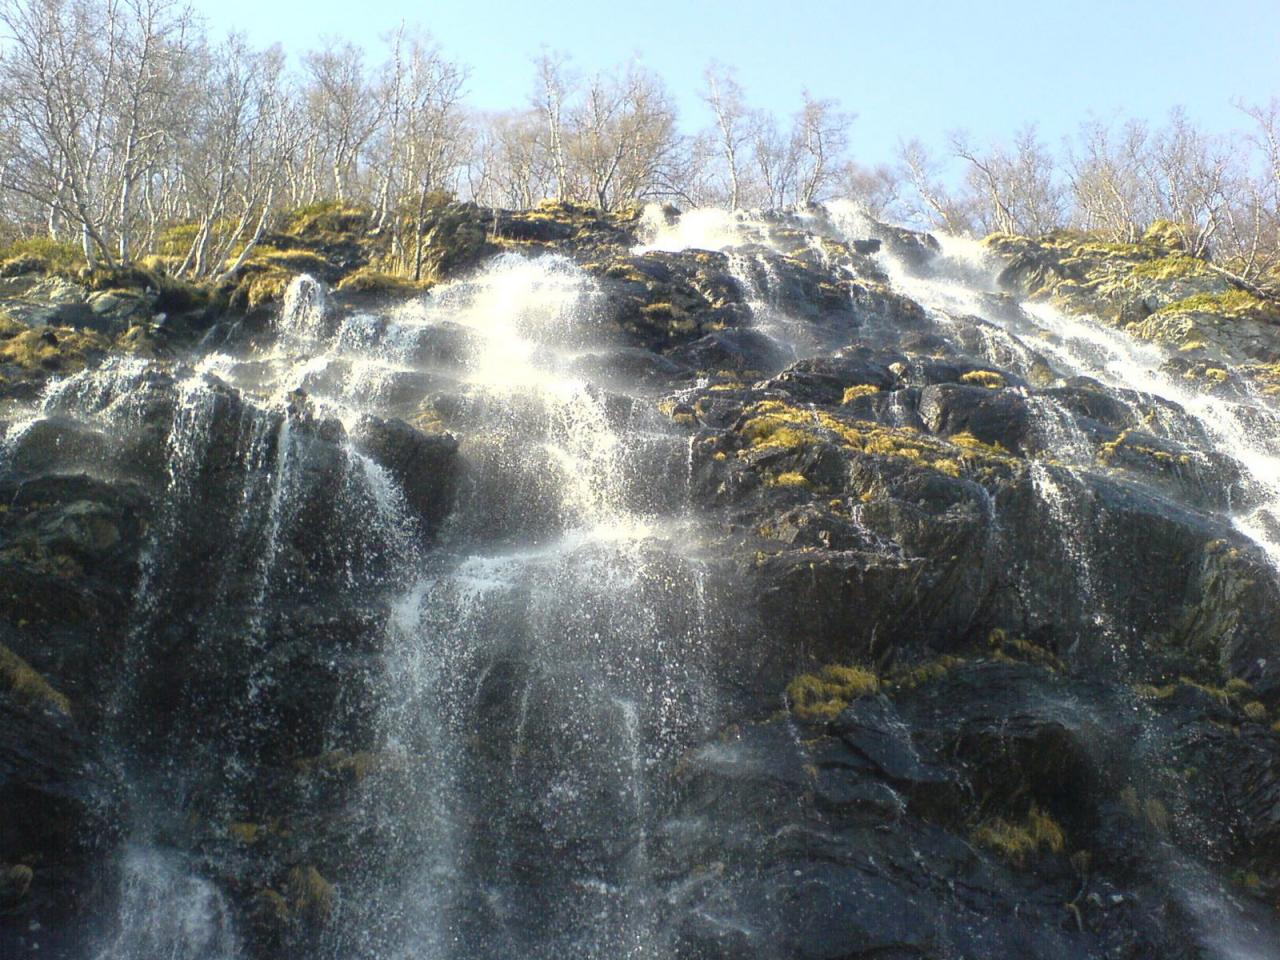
(27, 686)
(310, 895)
(327, 220)
(774, 425)
(824, 695)
(1019, 840)
(1232, 304)
(369, 280)
(58, 350)
(991, 379)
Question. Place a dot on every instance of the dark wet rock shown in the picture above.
(740, 351)
(425, 466)
(983, 667)
(997, 417)
(60, 818)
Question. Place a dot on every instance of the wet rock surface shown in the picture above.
(800, 597)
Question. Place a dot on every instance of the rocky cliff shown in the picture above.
(647, 585)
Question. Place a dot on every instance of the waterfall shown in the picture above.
(579, 649)
(961, 281)
(304, 310)
(483, 717)
(195, 923)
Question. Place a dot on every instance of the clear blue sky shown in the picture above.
(918, 68)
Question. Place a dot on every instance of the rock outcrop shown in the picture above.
(743, 602)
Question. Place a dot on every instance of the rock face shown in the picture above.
(1225, 335)
(702, 586)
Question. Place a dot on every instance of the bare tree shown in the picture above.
(550, 94)
(878, 190)
(344, 111)
(776, 160)
(1106, 186)
(234, 165)
(732, 127)
(1187, 174)
(821, 136)
(623, 136)
(936, 205)
(90, 88)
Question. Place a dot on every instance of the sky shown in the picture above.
(915, 69)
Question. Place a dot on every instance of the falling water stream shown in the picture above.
(959, 289)
(567, 608)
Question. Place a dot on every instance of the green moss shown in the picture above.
(1156, 813)
(1220, 694)
(52, 255)
(270, 911)
(662, 311)
(1234, 304)
(310, 894)
(990, 379)
(1256, 711)
(773, 424)
(245, 833)
(789, 479)
(1265, 375)
(1021, 650)
(1165, 233)
(861, 390)
(1177, 267)
(15, 880)
(1150, 691)
(1124, 444)
(60, 349)
(1152, 809)
(368, 280)
(1017, 840)
(21, 680)
(328, 219)
(823, 695)
(353, 764)
(927, 672)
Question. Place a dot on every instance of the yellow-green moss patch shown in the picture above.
(990, 379)
(310, 894)
(368, 280)
(27, 685)
(62, 349)
(1175, 267)
(861, 390)
(773, 424)
(927, 672)
(822, 695)
(789, 479)
(244, 832)
(1016, 840)
(1234, 304)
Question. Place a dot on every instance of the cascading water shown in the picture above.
(566, 608)
(743, 237)
(580, 645)
(542, 719)
(961, 282)
(958, 286)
